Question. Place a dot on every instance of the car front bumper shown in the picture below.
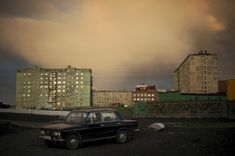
(51, 138)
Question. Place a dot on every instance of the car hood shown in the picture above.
(59, 126)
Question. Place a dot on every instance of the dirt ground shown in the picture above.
(189, 137)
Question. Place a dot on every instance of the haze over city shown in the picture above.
(124, 42)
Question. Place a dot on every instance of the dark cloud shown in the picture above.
(219, 42)
(150, 73)
(9, 62)
(34, 8)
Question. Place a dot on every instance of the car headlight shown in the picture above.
(42, 132)
(57, 133)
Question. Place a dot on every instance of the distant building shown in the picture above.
(198, 73)
(53, 88)
(231, 90)
(145, 93)
(106, 98)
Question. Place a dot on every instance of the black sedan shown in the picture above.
(89, 125)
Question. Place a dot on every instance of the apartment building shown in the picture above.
(107, 98)
(145, 93)
(198, 73)
(41, 88)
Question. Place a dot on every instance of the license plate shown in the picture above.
(47, 137)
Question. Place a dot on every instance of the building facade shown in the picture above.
(198, 73)
(106, 98)
(145, 93)
(53, 88)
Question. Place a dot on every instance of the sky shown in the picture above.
(124, 42)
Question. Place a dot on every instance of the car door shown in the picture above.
(93, 126)
(111, 123)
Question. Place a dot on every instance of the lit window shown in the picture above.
(63, 90)
(23, 94)
(81, 86)
(134, 99)
(63, 82)
(41, 73)
(149, 95)
(76, 82)
(81, 82)
(28, 94)
(40, 86)
(152, 99)
(141, 95)
(82, 78)
(76, 73)
(46, 74)
(81, 73)
(59, 82)
(59, 90)
(59, 86)
(76, 86)
(138, 99)
(152, 94)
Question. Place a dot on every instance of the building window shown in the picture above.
(81, 73)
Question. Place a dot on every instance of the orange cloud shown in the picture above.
(215, 24)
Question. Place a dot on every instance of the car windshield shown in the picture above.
(77, 117)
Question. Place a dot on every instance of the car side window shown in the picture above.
(94, 117)
(109, 116)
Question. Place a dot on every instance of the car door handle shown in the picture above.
(101, 125)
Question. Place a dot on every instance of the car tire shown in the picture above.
(72, 141)
(122, 136)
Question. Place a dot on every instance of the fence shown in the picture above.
(218, 109)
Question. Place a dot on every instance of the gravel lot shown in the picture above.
(181, 137)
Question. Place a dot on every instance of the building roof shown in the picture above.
(36, 68)
(197, 54)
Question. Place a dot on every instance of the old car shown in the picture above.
(88, 125)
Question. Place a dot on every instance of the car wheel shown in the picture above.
(49, 143)
(122, 136)
(72, 141)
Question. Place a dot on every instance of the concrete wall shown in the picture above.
(35, 112)
(217, 109)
